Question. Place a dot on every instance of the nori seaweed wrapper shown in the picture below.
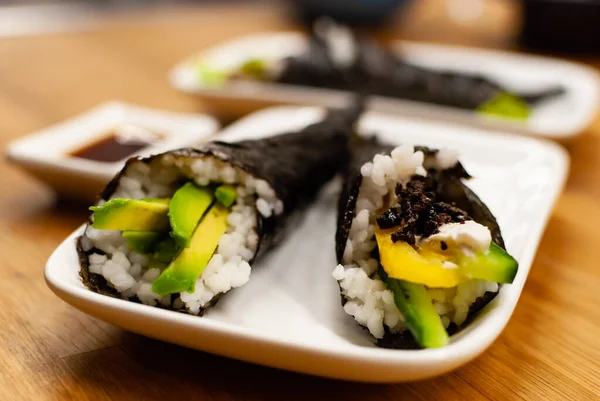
(378, 71)
(452, 190)
(296, 165)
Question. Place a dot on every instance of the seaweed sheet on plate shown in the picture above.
(296, 165)
(452, 189)
(379, 71)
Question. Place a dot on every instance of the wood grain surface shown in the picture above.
(550, 350)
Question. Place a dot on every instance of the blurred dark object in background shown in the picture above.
(350, 12)
(561, 25)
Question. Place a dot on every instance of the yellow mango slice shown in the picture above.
(401, 261)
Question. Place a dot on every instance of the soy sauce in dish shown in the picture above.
(122, 142)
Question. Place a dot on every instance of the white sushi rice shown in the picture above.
(367, 298)
(132, 274)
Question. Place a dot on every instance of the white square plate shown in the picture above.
(46, 154)
(562, 117)
(289, 314)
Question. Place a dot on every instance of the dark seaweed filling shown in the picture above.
(419, 212)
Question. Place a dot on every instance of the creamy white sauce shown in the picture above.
(469, 236)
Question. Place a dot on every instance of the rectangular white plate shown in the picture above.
(45, 154)
(562, 117)
(289, 314)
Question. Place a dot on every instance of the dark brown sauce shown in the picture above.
(117, 145)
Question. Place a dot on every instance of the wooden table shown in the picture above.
(549, 351)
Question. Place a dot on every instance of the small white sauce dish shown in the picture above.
(48, 154)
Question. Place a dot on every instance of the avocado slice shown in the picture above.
(506, 105)
(142, 241)
(226, 195)
(131, 214)
(164, 201)
(166, 250)
(187, 207)
(211, 76)
(188, 265)
(254, 68)
(495, 265)
(416, 306)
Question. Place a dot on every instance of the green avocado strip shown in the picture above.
(187, 207)
(164, 201)
(226, 195)
(188, 265)
(142, 241)
(210, 76)
(416, 306)
(131, 214)
(254, 68)
(166, 250)
(506, 105)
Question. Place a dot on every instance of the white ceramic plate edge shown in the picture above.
(44, 153)
(352, 363)
(19, 150)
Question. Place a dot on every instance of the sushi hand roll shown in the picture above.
(181, 228)
(336, 59)
(419, 253)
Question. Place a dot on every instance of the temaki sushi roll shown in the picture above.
(419, 253)
(336, 59)
(181, 228)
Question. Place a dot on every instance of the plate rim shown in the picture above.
(20, 150)
(457, 353)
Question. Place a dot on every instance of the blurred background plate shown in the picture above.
(565, 116)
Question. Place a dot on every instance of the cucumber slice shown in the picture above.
(416, 306)
(495, 265)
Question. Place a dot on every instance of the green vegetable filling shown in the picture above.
(414, 302)
(226, 195)
(183, 232)
(187, 207)
(131, 214)
(254, 68)
(210, 76)
(188, 265)
(166, 250)
(506, 105)
(142, 242)
(495, 265)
